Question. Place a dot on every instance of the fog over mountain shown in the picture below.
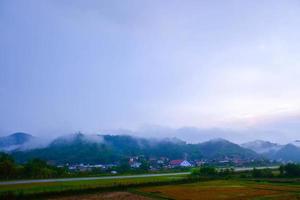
(82, 148)
(95, 148)
(92, 148)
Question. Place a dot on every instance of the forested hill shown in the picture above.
(79, 148)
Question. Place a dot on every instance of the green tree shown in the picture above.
(124, 166)
(37, 168)
(281, 170)
(144, 165)
(204, 171)
(292, 170)
(262, 173)
(7, 167)
(226, 172)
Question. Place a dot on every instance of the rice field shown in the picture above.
(225, 189)
(78, 186)
(166, 188)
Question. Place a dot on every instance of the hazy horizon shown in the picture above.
(194, 69)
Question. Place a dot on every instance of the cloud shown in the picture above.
(223, 68)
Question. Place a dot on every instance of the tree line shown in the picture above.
(34, 168)
(290, 170)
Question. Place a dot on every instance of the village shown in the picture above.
(137, 163)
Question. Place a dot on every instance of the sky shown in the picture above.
(190, 69)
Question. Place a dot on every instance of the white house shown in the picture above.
(180, 163)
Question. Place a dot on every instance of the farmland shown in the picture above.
(225, 189)
(87, 186)
(204, 183)
(143, 188)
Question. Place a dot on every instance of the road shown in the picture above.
(240, 169)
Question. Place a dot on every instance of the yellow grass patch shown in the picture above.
(211, 190)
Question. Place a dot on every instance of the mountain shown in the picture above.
(287, 153)
(262, 147)
(296, 143)
(80, 148)
(220, 148)
(14, 141)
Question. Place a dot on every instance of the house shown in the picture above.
(200, 162)
(135, 164)
(180, 163)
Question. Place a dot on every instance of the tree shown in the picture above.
(262, 173)
(226, 172)
(124, 166)
(204, 171)
(37, 168)
(281, 170)
(7, 167)
(144, 165)
(292, 170)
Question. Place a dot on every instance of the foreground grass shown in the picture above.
(32, 190)
(224, 189)
(163, 187)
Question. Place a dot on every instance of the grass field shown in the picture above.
(98, 185)
(225, 189)
(165, 187)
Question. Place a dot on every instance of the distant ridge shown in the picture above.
(288, 153)
(218, 148)
(262, 147)
(14, 141)
(80, 148)
(285, 153)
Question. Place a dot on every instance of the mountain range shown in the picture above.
(81, 148)
(286, 153)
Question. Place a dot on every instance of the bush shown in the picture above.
(226, 172)
(262, 173)
(290, 170)
(204, 171)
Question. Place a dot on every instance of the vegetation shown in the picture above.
(290, 170)
(262, 173)
(34, 168)
(204, 171)
(111, 149)
(211, 172)
(38, 190)
(225, 182)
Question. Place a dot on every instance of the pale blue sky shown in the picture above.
(97, 65)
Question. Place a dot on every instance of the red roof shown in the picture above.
(176, 162)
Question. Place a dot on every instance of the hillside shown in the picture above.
(14, 141)
(79, 148)
(262, 147)
(220, 148)
(287, 153)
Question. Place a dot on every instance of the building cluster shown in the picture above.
(88, 167)
(155, 164)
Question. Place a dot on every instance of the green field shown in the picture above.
(164, 187)
(82, 186)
